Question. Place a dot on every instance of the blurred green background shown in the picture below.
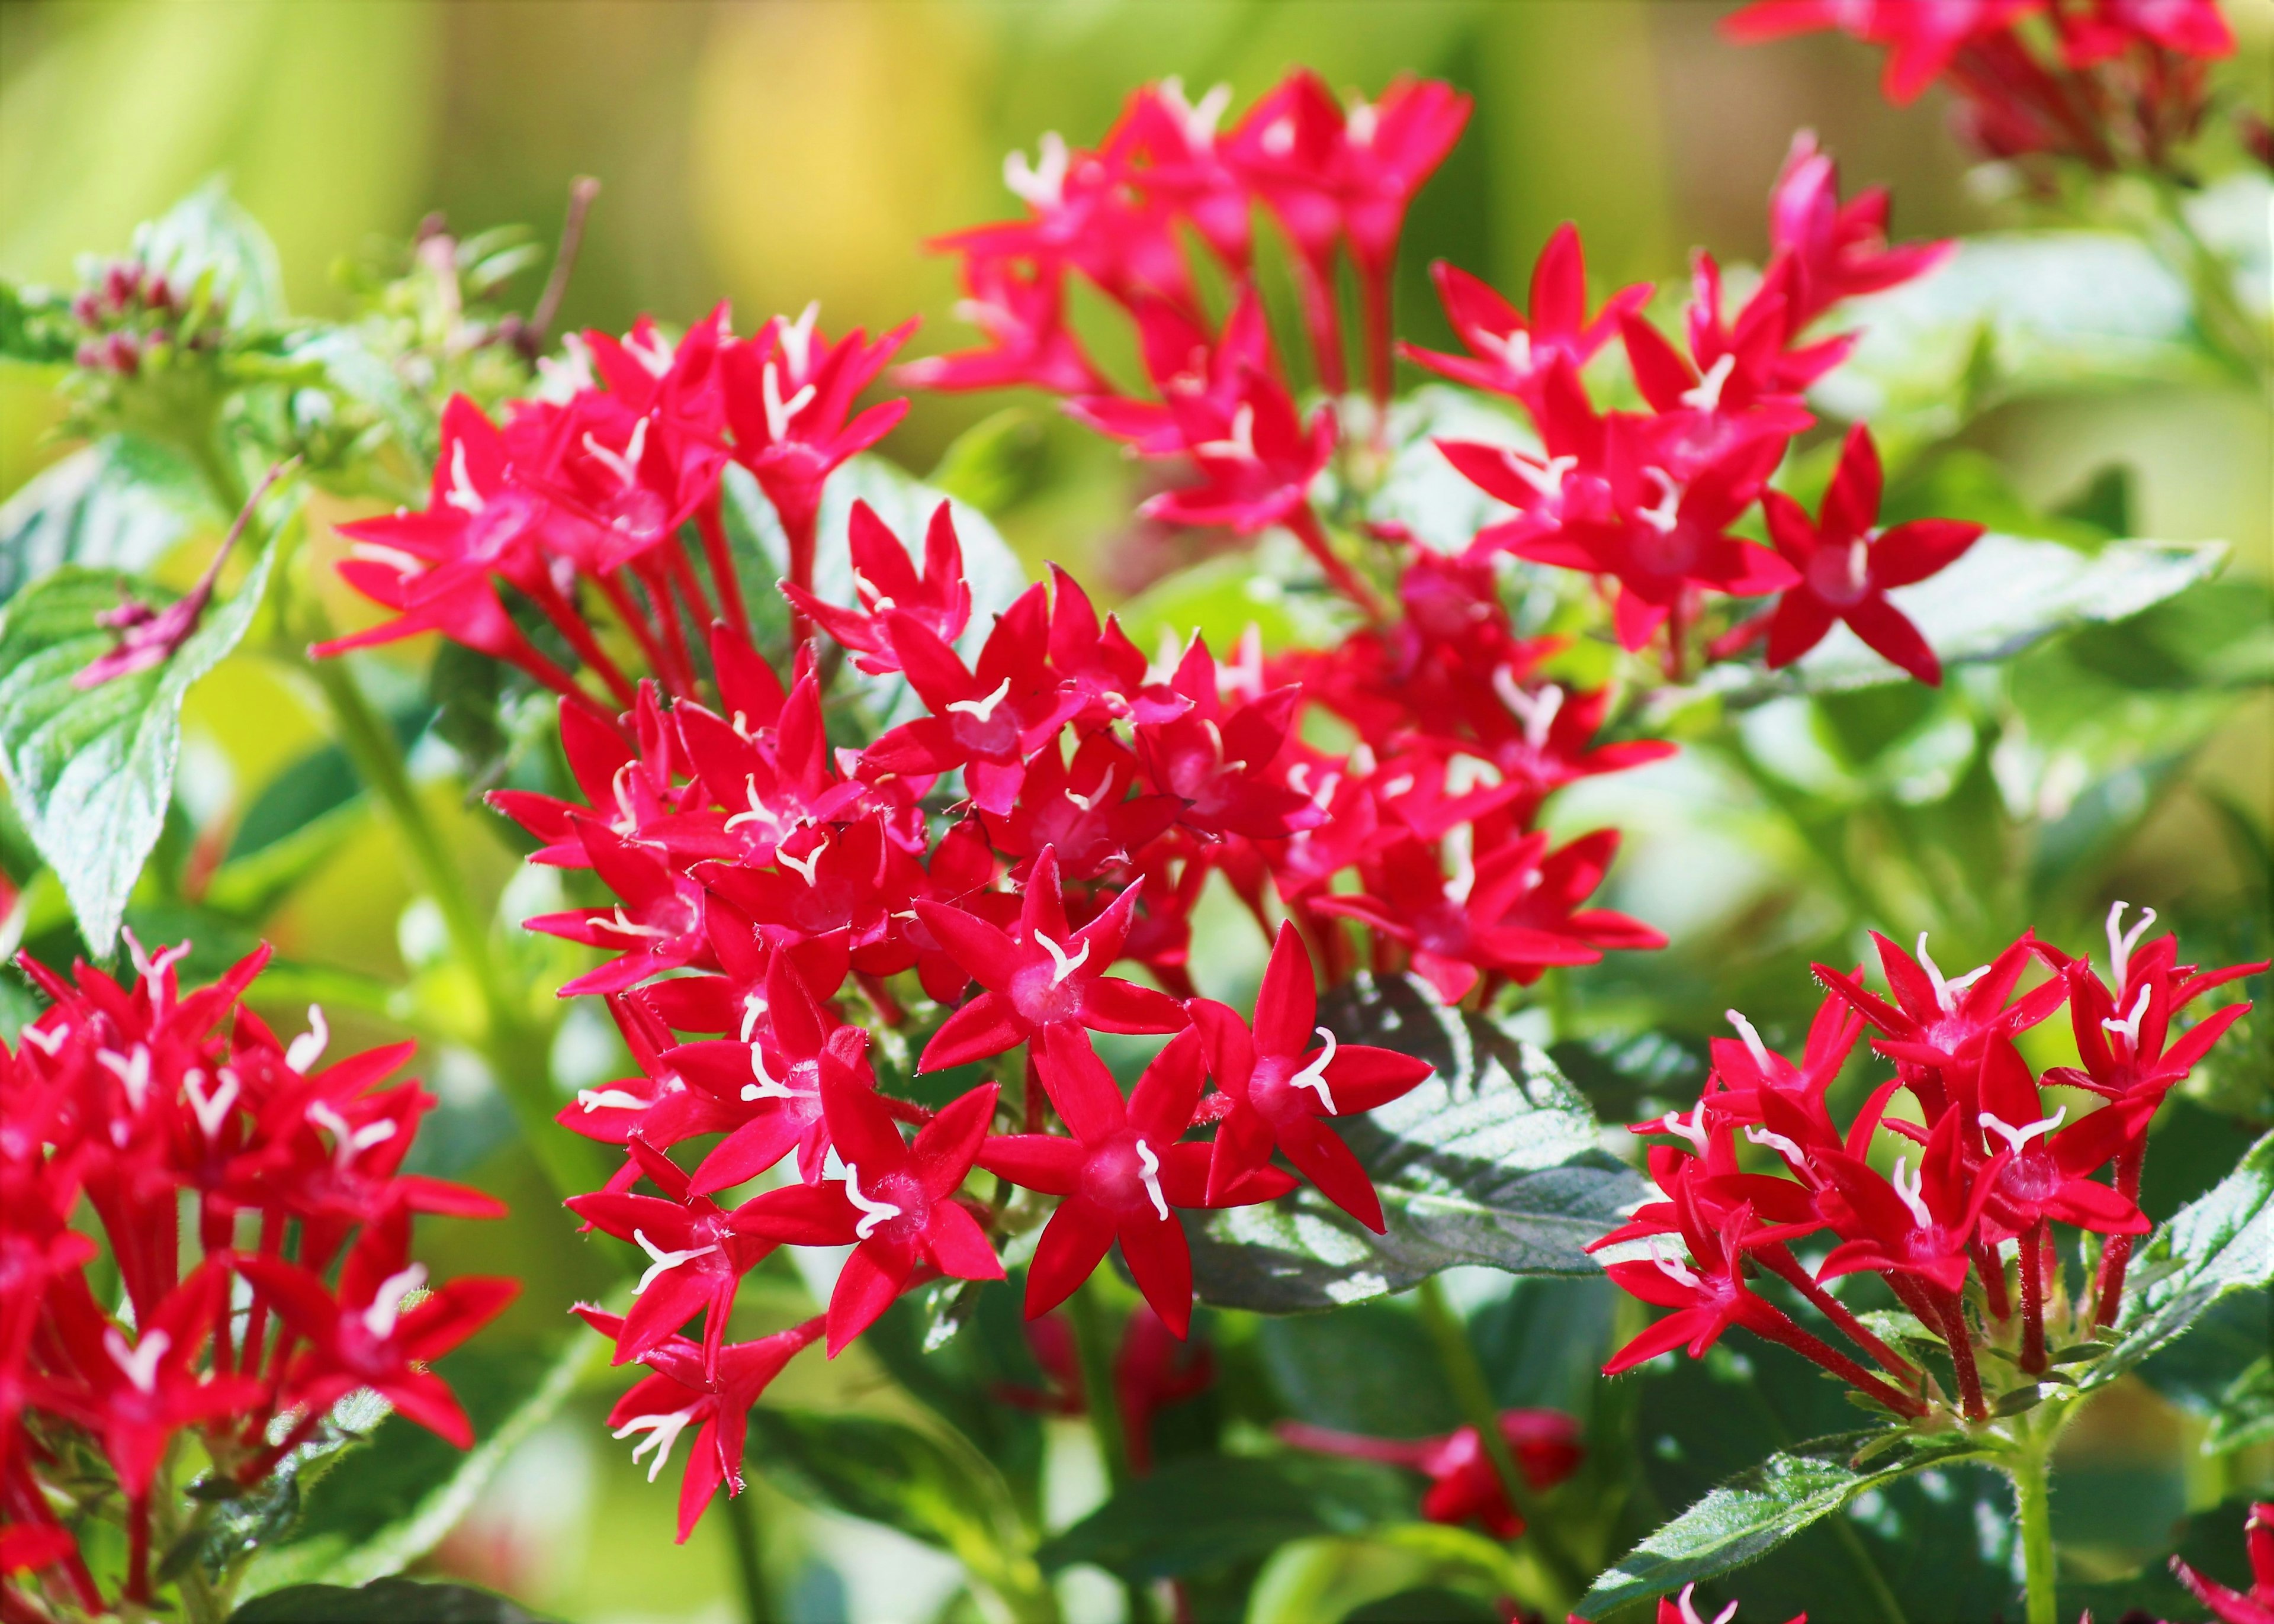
(769, 154)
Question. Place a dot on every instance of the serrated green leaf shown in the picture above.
(1759, 1510)
(92, 769)
(2245, 1416)
(1208, 1512)
(1495, 1160)
(353, 368)
(2219, 1243)
(207, 233)
(121, 503)
(383, 1601)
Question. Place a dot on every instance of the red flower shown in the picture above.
(657, 925)
(716, 1402)
(1838, 250)
(2232, 1607)
(767, 1083)
(1120, 1175)
(1684, 1610)
(1922, 36)
(2093, 31)
(366, 1336)
(1256, 457)
(1279, 1086)
(1217, 760)
(1511, 353)
(1465, 1486)
(1847, 565)
(1043, 976)
(2047, 1174)
(1022, 313)
(938, 598)
(1919, 1223)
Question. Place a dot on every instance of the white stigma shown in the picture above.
(2128, 1028)
(386, 1302)
(462, 494)
(2121, 942)
(1240, 447)
(211, 1109)
(616, 922)
(591, 1100)
(1666, 512)
(1691, 1127)
(308, 1048)
(623, 464)
(47, 1043)
(1947, 988)
(779, 411)
(1513, 347)
(1536, 711)
(1198, 119)
(1061, 965)
(1042, 184)
(1753, 1044)
(662, 1432)
(873, 1211)
(769, 1087)
(754, 1004)
(348, 1142)
(1547, 480)
(1673, 1268)
(1908, 1191)
(662, 1262)
(1706, 396)
(1363, 122)
(1690, 1609)
(1314, 1076)
(1859, 564)
(1460, 840)
(1150, 1166)
(131, 1070)
(653, 355)
(983, 709)
(1777, 1142)
(2015, 1138)
(139, 1363)
(796, 339)
(151, 967)
(804, 866)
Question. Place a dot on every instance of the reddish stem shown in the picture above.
(1381, 375)
(1314, 286)
(1035, 1099)
(1777, 1328)
(635, 619)
(2116, 1255)
(1345, 580)
(1961, 1344)
(655, 579)
(1992, 1269)
(1780, 1260)
(571, 626)
(2033, 1298)
(708, 520)
(880, 999)
(138, 1549)
(802, 528)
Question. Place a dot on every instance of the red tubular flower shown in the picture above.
(1022, 313)
(1921, 1223)
(715, 1400)
(1120, 1173)
(1280, 1087)
(1465, 1486)
(1684, 1610)
(1920, 39)
(768, 1082)
(1152, 1369)
(1943, 1021)
(1046, 975)
(1218, 760)
(2047, 1174)
(938, 598)
(1511, 352)
(2093, 31)
(1837, 250)
(658, 924)
(1255, 454)
(2232, 1607)
(1846, 565)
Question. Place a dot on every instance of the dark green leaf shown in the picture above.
(383, 1601)
(121, 502)
(1209, 1512)
(35, 326)
(1759, 1510)
(2210, 1541)
(2220, 1244)
(91, 770)
(1369, 1368)
(1495, 1160)
(2244, 1418)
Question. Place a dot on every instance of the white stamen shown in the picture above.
(1777, 1142)
(1150, 1165)
(348, 1142)
(1668, 512)
(1314, 1076)
(1089, 802)
(1753, 1044)
(805, 865)
(1691, 1127)
(395, 558)
(2016, 1138)
(754, 1004)
(47, 1043)
(462, 494)
(1673, 1267)
(386, 1302)
(796, 339)
(1859, 564)
(779, 411)
(2128, 1028)
(1706, 396)
(1909, 1191)
(1363, 121)
(1536, 711)
(139, 1363)
(769, 1087)
(1947, 988)
(1039, 185)
(1061, 965)
(617, 922)
(877, 601)
(653, 355)
(1460, 844)
(1241, 447)
(591, 1100)
(662, 1432)
(662, 1261)
(305, 1050)
(624, 465)
(759, 812)
(626, 821)
(211, 1109)
(131, 1070)
(983, 709)
(873, 1211)
(1199, 119)
(1279, 137)
(2121, 942)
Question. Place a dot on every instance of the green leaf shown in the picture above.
(1495, 1160)
(1207, 1512)
(383, 1601)
(996, 463)
(1325, 1579)
(2014, 314)
(889, 1472)
(1423, 491)
(2005, 594)
(2245, 1416)
(35, 326)
(206, 234)
(91, 770)
(2222, 1243)
(352, 369)
(121, 503)
(1759, 1510)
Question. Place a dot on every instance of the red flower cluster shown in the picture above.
(1649, 502)
(1996, 1167)
(1463, 1484)
(2102, 81)
(2232, 1606)
(152, 1103)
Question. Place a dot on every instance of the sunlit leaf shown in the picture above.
(120, 503)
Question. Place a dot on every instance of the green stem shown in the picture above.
(1094, 1344)
(750, 1558)
(2240, 339)
(2033, 1505)
(1473, 1394)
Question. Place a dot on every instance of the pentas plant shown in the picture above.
(800, 915)
(130, 1363)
